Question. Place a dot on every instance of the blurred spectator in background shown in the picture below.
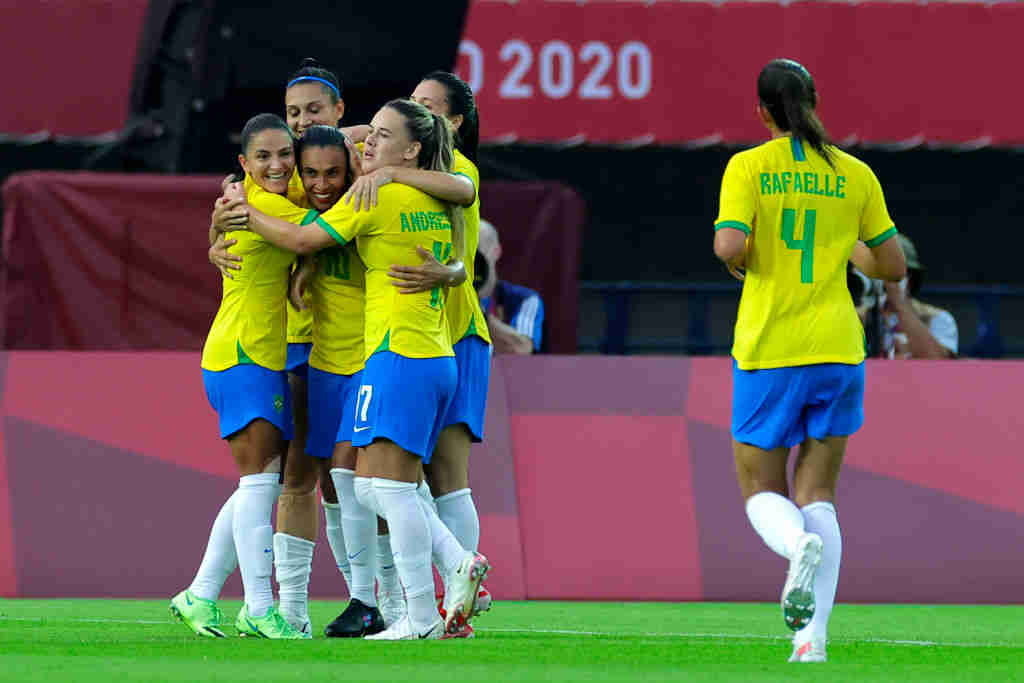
(918, 330)
(515, 314)
(897, 324)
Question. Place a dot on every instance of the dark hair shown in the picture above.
(260, 123)
(437, 146)
(786, 90)
(323, 136)
(311, 70)
(461, 101)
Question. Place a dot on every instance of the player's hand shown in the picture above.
(422, 278)
(364, 188)
(223, 259)
(230, 214)
(355, 160)
(896, 292)
(300, 280)
(737, 272)
(228, 179)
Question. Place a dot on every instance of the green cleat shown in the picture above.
(202, 616)
(271, 625)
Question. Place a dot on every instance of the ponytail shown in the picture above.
(786, 89)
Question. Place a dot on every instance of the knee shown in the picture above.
(299, 483)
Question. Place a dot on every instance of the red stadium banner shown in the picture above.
(685, 72)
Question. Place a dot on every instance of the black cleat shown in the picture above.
(356, 621)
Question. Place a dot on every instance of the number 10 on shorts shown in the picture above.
(363, 406)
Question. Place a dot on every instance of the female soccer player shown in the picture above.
(793, 211)
(410, 372)
(447, 95)
(243, 371)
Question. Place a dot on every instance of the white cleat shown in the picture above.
(798, 593)
(404, 630)
(392, 606)
(462, 588)
(811, 651)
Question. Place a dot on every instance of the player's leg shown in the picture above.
(767, 420)
(361, 616)
(814, 486)
(298, 518)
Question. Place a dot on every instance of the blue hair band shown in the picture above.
(314, 78)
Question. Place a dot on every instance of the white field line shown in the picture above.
(598, 634)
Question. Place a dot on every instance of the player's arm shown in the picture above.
(301, 239)
(883, 261)
(427, 276)
(878, 254)
(450, 187)
(736, 206)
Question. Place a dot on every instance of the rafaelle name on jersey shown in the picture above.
(823, 185)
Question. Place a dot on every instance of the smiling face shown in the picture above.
(324, 175)
(270, 159)
(389, 142)
(308, 103)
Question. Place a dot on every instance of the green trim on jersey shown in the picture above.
(330, 231)
(385, 344)
(888, 234)
(798, 150)
(243, 357)
(310, 216)
(737, 225)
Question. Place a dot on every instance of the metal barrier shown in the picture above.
(984, 302)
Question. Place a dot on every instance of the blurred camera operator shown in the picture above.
(515, 314)
(899, 324)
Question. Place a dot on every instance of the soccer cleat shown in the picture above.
(462, 588)
(391, 605)
(357, 620)
(798, 593)
(404, 630)
(271, 625)
(811, 651)
(201, 615)
(483, 603)
(303, 626)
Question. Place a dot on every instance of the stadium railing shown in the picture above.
(990, 317)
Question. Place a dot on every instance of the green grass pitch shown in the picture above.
(137, 640)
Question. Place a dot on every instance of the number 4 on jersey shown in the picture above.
(804, 244)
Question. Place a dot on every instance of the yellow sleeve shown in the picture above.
(738, 201)
(875, 224)
(277, 206)
(344, 223)
(465, 167)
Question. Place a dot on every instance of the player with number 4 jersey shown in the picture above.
(793, 212)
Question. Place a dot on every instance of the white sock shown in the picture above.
(387, 575)
(366, 495)
(360, 524)
(410, 546)
(777, 520)
(446, 551)
(458, 512)
(254, 538)
(293, 558)
(220, 558)
(336, 539)
(425, 494)
(820, 518)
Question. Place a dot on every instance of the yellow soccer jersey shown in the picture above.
(803, 218)
(250, 326)
(465, 317)
(411, 325)
(300, 323)
(338, 296)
